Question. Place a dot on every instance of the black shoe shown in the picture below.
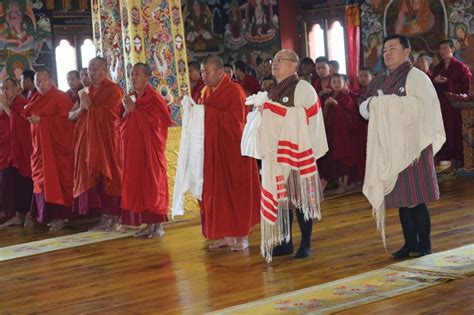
(402, 253)
(416, 254)
(283, 249)
(303, 252)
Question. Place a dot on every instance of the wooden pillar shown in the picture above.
(288, 32)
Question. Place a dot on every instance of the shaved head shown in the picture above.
(146, 68)
(215, 61)
(212, 71)
(97, 70)
(99, 60)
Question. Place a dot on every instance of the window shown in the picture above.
(65, 62)
(316, 42)
(327, 38)
(87, 52)
(72, 53)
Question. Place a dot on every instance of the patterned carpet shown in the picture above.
(59, 243)
(397, 279)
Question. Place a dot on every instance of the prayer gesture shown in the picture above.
(34, 120)
(128, 103)
(85, 100)
(330, 101)
(440, 79)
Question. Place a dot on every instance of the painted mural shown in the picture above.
(25, 37)
(234, 29)
(425, 22)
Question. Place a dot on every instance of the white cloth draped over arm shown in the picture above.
(190, 167)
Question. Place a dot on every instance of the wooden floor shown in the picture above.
(178, 275)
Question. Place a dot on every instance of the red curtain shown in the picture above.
(353, 38)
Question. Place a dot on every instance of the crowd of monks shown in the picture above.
(97, 150)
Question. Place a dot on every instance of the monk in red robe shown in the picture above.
(322, 83)
(248, 82)
(195, 79)
(451, 76)
(97, 171)
(340, 114)
(230, 200)
(143, 133)
(74, 82)
(27, 83)
(16, 186)
(52, 161)
(365, 77)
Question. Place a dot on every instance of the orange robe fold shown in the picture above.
(231, 198)
(143, 134)
(96, 143)
(52, 161)
(21, 147)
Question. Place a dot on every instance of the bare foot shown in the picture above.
(115, 225)
(28, 222)
(324, 184)
(56, 225)
(12, 222)
(242, 243)
(103, 224)
(143, 232)
(341, 190)
(226, 241)
(158, 231)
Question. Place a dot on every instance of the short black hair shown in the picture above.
(28, 74)
(447, 41)
(196, 65)
(366, 69)
(258, 61)
(322, 59)
(267, 78)
(339, 75)
(334, 63)
(228, 65)
(240, 65)
(307, 61)
(75, 72)
(404, 41)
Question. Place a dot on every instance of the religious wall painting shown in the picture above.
(461, 25)
(371, 34)
(199, 28)
(424, 22)
(25, 35)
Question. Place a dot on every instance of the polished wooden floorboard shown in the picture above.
(177, 274)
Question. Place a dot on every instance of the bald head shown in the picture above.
(97, 70)
(43, 80)
(216, 62)
(284, 64)
(212, 71)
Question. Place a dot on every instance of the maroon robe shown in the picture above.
(231, 190)
(143, 134)
(318, 86)
(250, 84)
(458, 82)
(361, 137)
(340, 122)
(196, 90)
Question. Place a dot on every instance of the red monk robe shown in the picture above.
(250, 84)
(361, 136)
(52, 161)
(21, 150)
(196, 90)
(231, 190)
(340, 123)
(319, 87)
(458, 83)
(143, 134)
(7, 203)
(97, 171)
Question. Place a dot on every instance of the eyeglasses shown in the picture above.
(278, 60)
